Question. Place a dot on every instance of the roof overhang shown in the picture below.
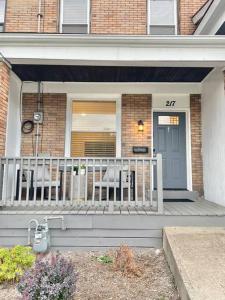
(212, 20)
(157, 51)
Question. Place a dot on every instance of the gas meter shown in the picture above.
(41, 242)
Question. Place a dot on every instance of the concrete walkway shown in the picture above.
(196, 257)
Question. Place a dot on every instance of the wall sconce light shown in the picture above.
(140, 126)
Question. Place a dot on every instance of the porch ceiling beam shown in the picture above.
(114, 50)
(112, 88)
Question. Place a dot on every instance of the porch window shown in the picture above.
(75, 16)
(162, 17)
(2, 15)
(93, 129)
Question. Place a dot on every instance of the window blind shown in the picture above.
(75, 16)
(162, 17)
(93, 129)
(2, 11)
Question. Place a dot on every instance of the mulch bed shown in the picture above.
(99, 281)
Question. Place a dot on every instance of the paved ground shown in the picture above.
(196, 256)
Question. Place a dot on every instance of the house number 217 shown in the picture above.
(170, 103)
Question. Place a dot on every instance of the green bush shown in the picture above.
(14, 261)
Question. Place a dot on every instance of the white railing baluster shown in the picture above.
(58, 180)
(114, 180)
(107, 187)
(143, 182)
(28, 182)
(136, 181)
(93, 188)
(13, 181)
(150, 183)
(71, 182)
(20, 181)
(64, 181)
(121, 181)
(100, 181)
(42, 181)
(129, 181)
(159, 183)
(86, 181)
(50, 182)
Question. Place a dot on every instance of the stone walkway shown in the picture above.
(196, 256)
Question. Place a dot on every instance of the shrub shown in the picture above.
(125, 262)
(52, 278)
(14, 261)
(105, 259)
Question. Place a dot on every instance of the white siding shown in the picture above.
(13, 119)
(213, 130)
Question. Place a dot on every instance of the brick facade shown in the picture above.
(4, 92)
(135, 108)
(196, 143)
(106, 16)
(118, 17)
(186, 10)
(21, 16)
(52, 139)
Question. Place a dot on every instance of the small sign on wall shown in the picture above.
(140, 150)
(171, 101)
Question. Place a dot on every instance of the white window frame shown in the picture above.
(88, 16)
(175, 17)
(92, 97)
(3, 24)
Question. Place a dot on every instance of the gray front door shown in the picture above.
(169, 138)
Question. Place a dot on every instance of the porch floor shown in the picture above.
(197, 208)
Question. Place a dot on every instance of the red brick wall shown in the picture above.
(135, 108)
(53, 129)
(196, 143)
(119, 17)
(21, 16)
(4, 91)
(187, 8)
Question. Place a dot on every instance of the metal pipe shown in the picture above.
(38, 126)
(39, 15)
(29, 229)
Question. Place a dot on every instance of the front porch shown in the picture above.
(88, 160)
(98, 228)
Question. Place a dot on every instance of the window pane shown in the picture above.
(74, 28)
(162, 30)
(2, 11)
(162, 12)
(168, 120)
(75, 12)
(93, 129)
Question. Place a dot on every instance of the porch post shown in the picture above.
(4, 92)
(159, 183)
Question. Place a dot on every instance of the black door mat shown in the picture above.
(177, 200)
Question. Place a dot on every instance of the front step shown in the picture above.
(175, 194)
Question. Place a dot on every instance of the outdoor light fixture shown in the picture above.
(140, 126)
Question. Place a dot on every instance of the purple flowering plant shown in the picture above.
(51, 278)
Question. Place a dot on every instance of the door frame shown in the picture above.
(188, 139)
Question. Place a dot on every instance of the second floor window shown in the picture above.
(162, 17)
(75, 16)
(2, 14)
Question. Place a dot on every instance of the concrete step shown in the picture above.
(196, 258)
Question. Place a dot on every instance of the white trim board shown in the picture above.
(188, 136)
(95, 97)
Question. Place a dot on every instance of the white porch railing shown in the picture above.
(40, 181)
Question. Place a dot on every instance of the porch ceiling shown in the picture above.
(68, 73)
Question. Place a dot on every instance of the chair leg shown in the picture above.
(93, 194)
